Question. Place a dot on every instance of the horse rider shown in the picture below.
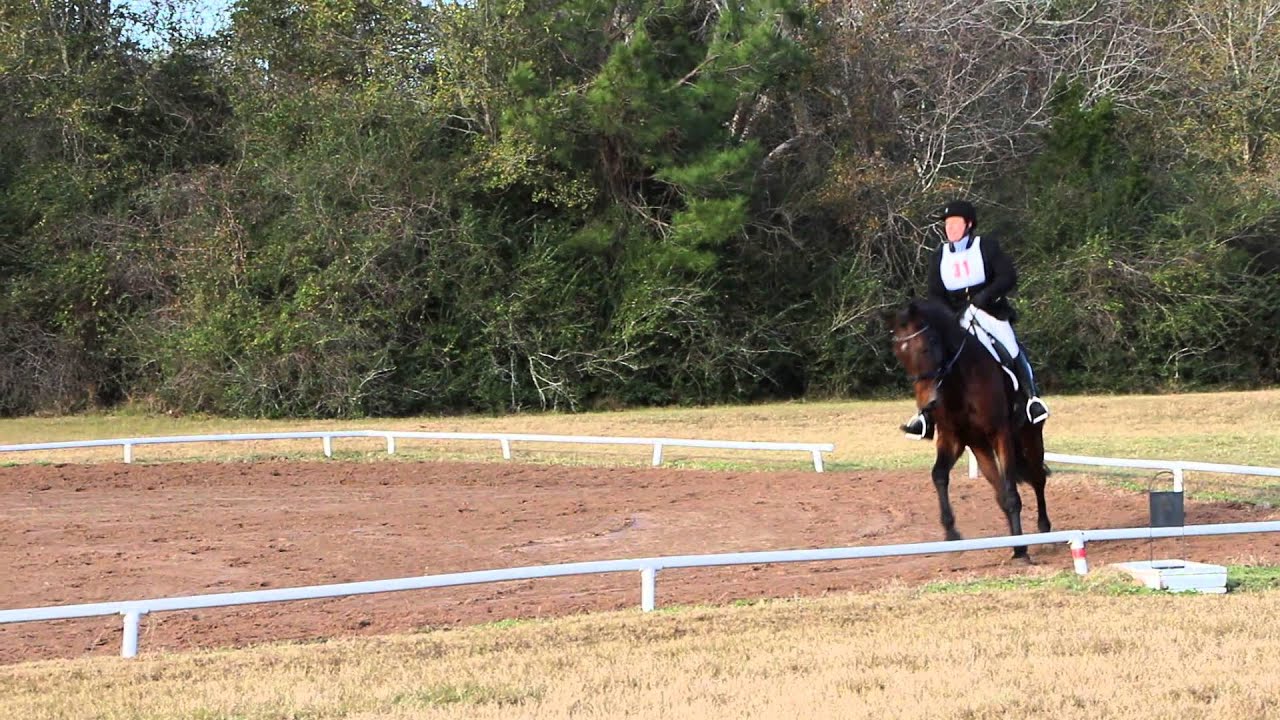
(972, 276)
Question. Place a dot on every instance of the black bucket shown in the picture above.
(1167, 509)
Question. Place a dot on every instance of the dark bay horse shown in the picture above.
(972, 406)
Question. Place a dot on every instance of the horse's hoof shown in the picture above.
(1022, 560)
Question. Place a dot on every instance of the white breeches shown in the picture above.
(989, 327)
(1001, 330)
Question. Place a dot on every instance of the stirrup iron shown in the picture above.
(1037, 417)
(923, 422)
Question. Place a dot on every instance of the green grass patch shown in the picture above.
(1240, 578)
(1101, 583)
(1262, 495)
(681, 608)
(508, 623)
(1204, 444)
(1252, 578)
(274, 713)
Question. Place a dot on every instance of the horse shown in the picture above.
(972, 405)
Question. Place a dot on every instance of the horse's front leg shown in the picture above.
(948, 452)
(926, 395)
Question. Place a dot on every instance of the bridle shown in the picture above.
(905, 338)
(938, 372)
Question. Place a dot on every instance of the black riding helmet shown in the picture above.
(959, 208)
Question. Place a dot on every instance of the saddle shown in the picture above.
(1013, 379)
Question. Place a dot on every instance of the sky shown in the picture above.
(205, 17)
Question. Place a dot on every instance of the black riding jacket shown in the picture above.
(988, 294)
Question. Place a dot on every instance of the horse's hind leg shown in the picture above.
(1032, 448)
(1037, 481)
(996, 467)
(948, 452)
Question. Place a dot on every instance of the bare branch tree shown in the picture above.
(961, 87)
(1229, 76)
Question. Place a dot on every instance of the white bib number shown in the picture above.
(963, 268)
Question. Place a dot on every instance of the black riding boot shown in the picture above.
(1027, 402)
(920, 427)
(1037, 411)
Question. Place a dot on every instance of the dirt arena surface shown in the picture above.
(91, 533)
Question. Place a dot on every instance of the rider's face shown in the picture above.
(957, 228)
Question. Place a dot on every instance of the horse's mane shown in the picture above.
(943, 321)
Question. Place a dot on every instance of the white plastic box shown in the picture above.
(1178, 575)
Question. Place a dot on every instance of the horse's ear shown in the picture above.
(889, 316)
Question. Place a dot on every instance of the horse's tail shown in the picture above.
(1020, 460)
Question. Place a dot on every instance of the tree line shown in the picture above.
(383, 207)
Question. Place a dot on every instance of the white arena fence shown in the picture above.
(1178, 468)
(134, 610)
(504, 439)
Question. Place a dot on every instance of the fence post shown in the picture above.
(648, 588)
(391, 444)
(129, 644)
(506, 448)
(1078, 556)
(328, 446)
(973, 464)
(1177, 478)
(817, 460)
(657, 454)
(128, 453)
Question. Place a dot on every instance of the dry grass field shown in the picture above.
(1048, 652)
